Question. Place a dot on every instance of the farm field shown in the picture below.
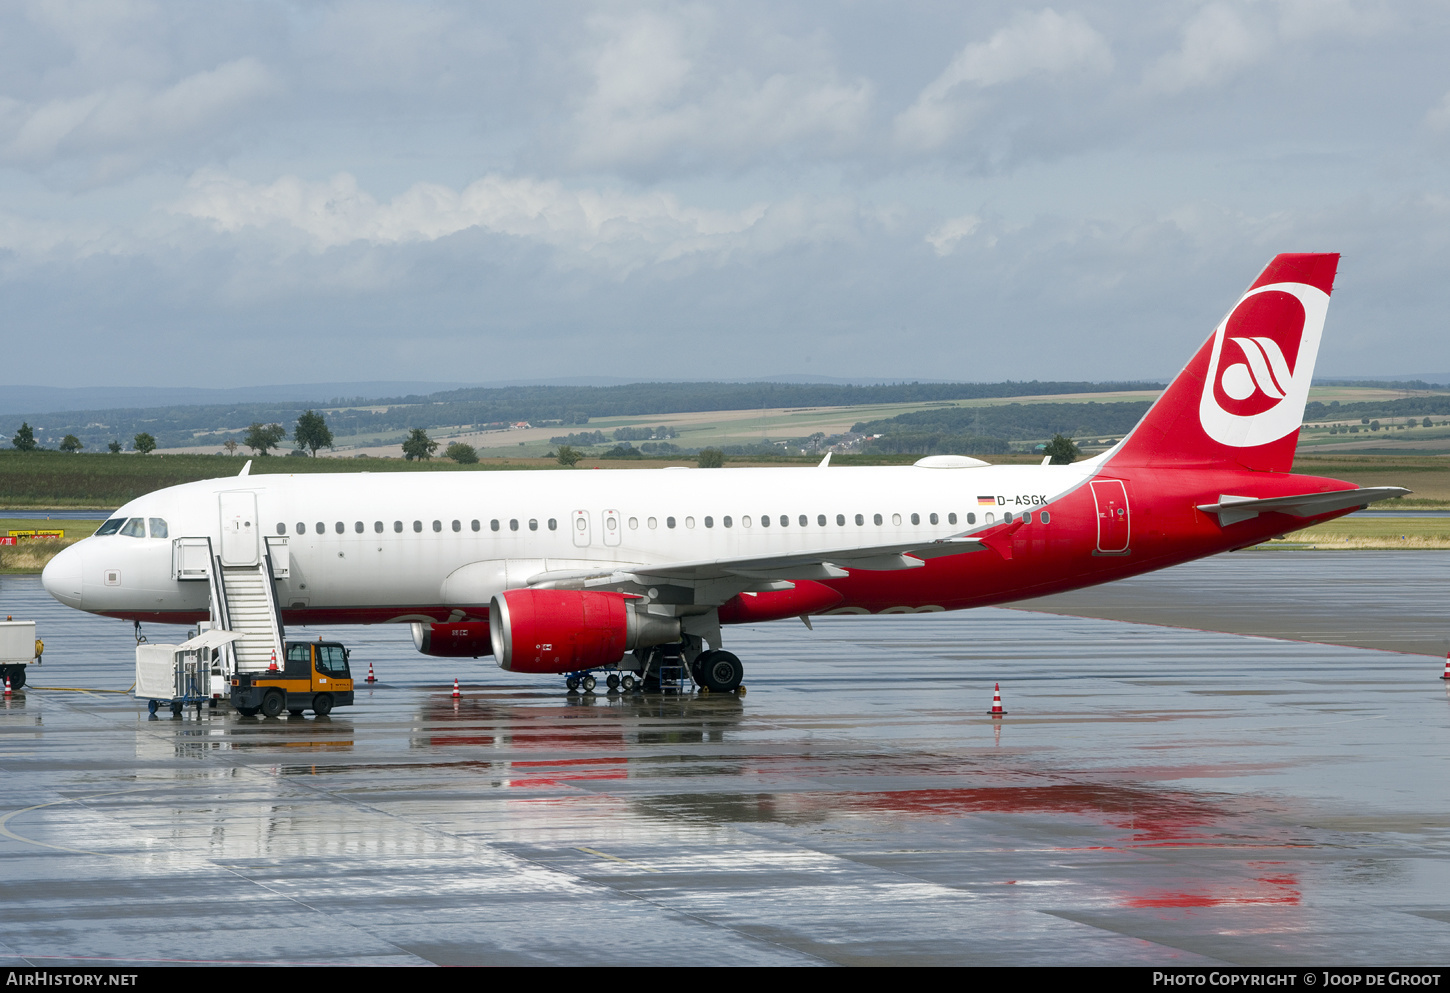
(31, 554)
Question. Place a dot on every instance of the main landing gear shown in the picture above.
(663, 668)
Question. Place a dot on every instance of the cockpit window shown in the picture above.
(111, 526)
(135, 528)
(158, 527)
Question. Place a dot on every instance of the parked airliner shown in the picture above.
(566, 572)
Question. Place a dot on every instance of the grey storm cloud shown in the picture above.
(481, 192)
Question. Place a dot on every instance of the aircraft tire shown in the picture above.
(322, 704)
(272, 704)
(723, 672)
(697, 668)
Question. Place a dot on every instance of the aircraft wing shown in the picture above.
(749, 572)
(1232, 509)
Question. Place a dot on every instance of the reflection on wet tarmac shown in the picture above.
(1153, 796)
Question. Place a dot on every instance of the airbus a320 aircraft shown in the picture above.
(566, 572)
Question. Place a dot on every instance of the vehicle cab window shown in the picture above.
(332, 661)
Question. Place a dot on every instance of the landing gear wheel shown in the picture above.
(248, 711)
(612, 681)
(697, 668)
(322, 704)
(588, 682)
(572, 683)
(17, 676)
(272, 704)
(627, 683)
(723, 672)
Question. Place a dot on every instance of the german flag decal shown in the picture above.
(986, 501)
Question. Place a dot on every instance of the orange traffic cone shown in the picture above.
(7, 684)
(996, 710)
(273, 666)
(1446, 674)
(456, 694)
(371, 677)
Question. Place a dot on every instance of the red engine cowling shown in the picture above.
(467, 639)
(570, 630)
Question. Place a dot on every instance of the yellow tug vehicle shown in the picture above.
(314, 676)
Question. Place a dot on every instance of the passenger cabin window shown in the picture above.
(951, 518)
(377, 527)
(841, 520)
(896, 519)
(989, 519)
(437, 526)
(358, 526)
(689, 522)
(745, 521)
(397, 527)
(301, 527)
(1007, 517)
(493, 524)
(709, 522)
(553, 524)
(650, 522)
(135, 528)
(784, 521)
(860, 520)
(933, 519)
(417, 527)
(1045, 517)
(804, 520)
(765, 520)
(457, 526)
(281, 528)
(534, 524)
(876, 519)
(514, 524)
(111, 526)
(474, 524)
(669, 522)
(321, 528)
(821, 520)
(727, 521)
(916, 518)
(634, 523)
(971, 518)
(339, 528)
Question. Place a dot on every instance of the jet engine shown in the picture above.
(467, 639)
(570, 630)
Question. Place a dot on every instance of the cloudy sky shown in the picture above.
(237, 193)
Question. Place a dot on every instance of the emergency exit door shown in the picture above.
(1114, 520)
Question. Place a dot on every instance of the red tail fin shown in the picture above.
(1240, 400)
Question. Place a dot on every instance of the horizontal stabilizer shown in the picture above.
(1233, 509)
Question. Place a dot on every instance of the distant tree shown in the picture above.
(144, 443)
(24, 440)
(312, 432)
(263, 437)
(115, 447)
(1374, 425)
(711, 458)
(567, 455)
(230, 445)
(1062, 449)
(70, 443)
(1425, 423)
(300, 453)
(419, 446)
(1364, 420)
(461, 453)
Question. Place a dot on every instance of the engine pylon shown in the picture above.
(996, 710)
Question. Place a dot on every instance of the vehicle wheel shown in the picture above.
(272, 704)
(175, 708)
(247, 711)
(627, 683)
(697, 667)
(588, 683)
(17, 676)
(572, 683)
(723, 672)
(322, 704)
(612, 681)
(294, 713)
(152, 706)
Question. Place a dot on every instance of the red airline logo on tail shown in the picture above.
(1256, 385)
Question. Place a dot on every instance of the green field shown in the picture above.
(31, 554)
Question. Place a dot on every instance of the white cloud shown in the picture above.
(622, 230)
(659, 91)
(1217, 43)
(1043, 44)
(127, 115)
(1437, 118)
(944, 237)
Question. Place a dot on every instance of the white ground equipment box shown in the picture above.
(189, 673)
(18, 648)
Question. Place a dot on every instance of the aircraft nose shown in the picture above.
(62, 576)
